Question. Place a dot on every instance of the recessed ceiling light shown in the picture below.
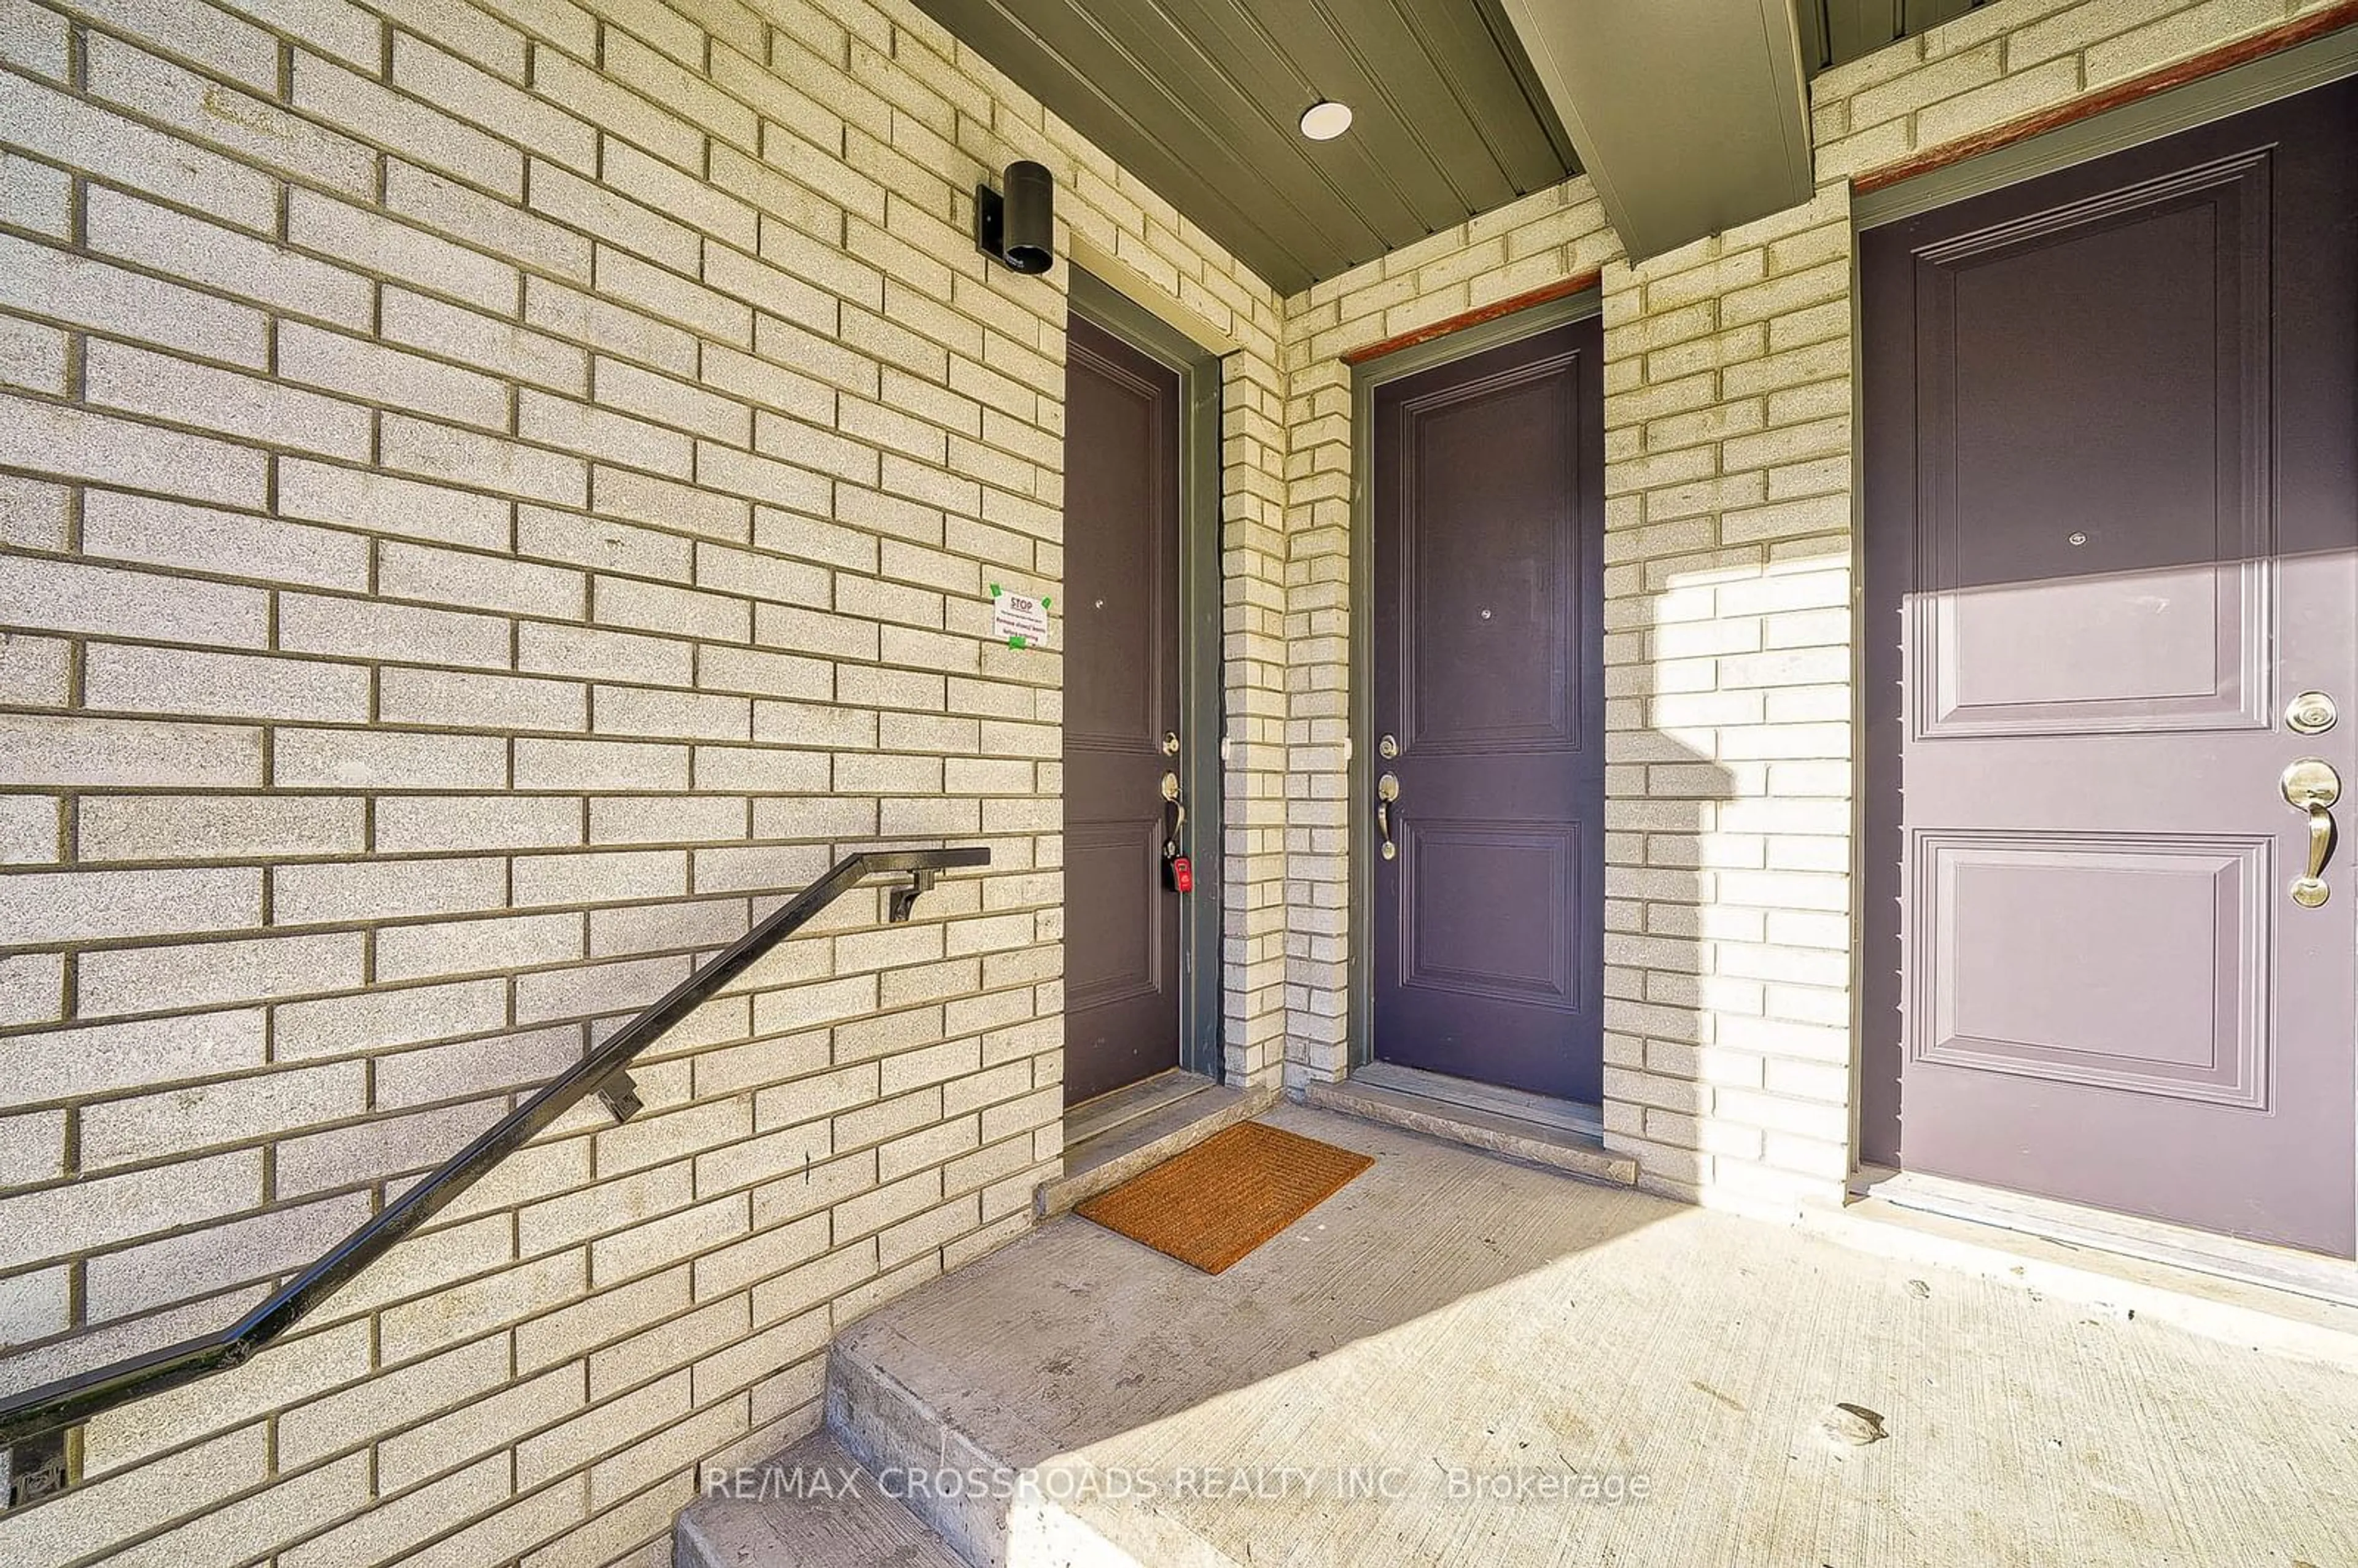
(1325, 121)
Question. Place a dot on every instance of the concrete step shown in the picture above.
(980, 1491)
(1452, 1317)
(1559, 1148)
(1051, 1371)
(814, 1505)
(1004, 1407)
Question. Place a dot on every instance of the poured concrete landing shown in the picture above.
(1377, 1384)
(812, 1507)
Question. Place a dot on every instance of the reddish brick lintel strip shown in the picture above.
(1475, 317)
(2314, 26)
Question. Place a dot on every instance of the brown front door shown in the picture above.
(2112, 490)
(1488, 688)
(1122, 969)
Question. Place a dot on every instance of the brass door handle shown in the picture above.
(1387, 792)
(2311, 784)
(1179, 817)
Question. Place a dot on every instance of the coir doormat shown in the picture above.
(1220, 1200)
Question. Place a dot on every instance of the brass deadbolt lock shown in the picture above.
(2311, 713)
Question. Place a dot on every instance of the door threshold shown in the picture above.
(1468, 1093)
(1116, 1135)
(1563, 1134)
(2261, 1263)
(2095, 1279)
(1096, 1118)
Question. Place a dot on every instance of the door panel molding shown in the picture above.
(1139, 844)
(2235, 692)
(1567, 691)
(1153, 644)
(2037, 636)
(1557, 940)
(2225, 175)
(2040, 972)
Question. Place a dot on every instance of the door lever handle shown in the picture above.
(2311, 784)
(1387, 792)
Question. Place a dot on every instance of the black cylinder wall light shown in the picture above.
(1018, 230)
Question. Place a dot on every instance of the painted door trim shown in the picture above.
(1201, 703)
(1359, 773)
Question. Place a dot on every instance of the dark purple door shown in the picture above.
(2112, 489)
(1488, 942)
(1121, 700)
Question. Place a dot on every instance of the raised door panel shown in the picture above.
(1122, 952)
(2120, 961)
(1457, 877)
(1120, 617)
(1487, 632)
(2093, 517)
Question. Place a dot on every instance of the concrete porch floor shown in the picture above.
(1453, 1312)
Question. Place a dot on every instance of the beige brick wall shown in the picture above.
(493, 497)
(1728, 709)
(1728, 600)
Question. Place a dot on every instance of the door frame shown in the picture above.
(1202, 707)
(1359, 763)
(2251, 84)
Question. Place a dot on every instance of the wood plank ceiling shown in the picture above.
(1202, 100)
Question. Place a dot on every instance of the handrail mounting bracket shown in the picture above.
(37, 1467)
(620, 1095)
(903, 900)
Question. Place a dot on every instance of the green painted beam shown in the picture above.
(1691, 118)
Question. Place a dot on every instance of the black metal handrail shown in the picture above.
(71, 1400)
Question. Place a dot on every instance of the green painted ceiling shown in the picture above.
(1833, 31)
(1201, 99)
